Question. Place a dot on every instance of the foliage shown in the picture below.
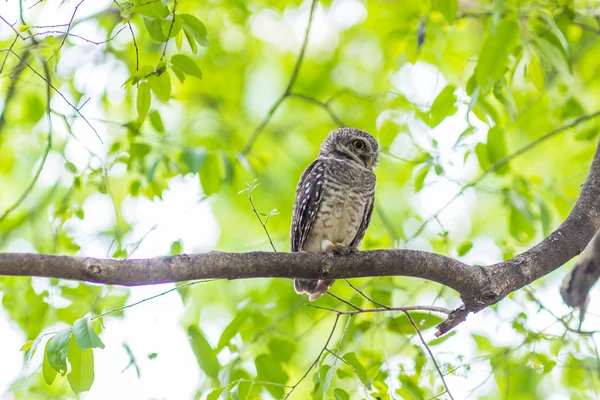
(107, 108)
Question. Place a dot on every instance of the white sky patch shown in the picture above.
(420, 83)
(178, 216)
(347, 13)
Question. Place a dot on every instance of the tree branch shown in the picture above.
(479, 287)
(578, 283)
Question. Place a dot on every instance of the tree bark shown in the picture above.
(578, 283)
(479, 287)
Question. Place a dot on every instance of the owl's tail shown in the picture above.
(314, 288)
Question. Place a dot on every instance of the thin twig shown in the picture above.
(59, 93)
(412, 322)
(337, 318)
(162, 57)
(336, 119)
(437, 309)
(248, 146)
(500, 163)
(46, 150)
(151, 298)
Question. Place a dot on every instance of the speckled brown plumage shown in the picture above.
(334, 200)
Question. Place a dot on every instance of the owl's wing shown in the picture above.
(365, 221)
(308, 197)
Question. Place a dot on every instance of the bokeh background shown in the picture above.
(131, 179)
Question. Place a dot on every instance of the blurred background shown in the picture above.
(155, 129)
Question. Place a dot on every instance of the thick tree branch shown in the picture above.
(479, 287)
(578, 283)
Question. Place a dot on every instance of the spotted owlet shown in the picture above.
(334, 200)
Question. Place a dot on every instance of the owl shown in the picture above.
(334, 200)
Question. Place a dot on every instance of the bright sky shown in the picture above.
(154, 327)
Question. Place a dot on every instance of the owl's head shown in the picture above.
(353, 144)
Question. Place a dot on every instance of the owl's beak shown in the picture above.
(368, 161)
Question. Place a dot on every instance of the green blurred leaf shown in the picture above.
(143, 100)
(536, 73)
(553, 55)
(448, 8)
(81, 376)
(154, 29)
(443, 106)
(215, 394)
(156, 121)
(270, 370)
(282, 349)
(193, 158)
(211, 173)
(186, 65)
(190, 40)
(442, 339)
(152, 9)
(359, 369)
(232, 329)
(195, 28)
(85, 336)
(410, 389)
(464, 248)
(48, 372)
(496, 147)
(402, 325)
(161, 86)
(493, 57)
(205, 355)
(340, 394)
(57, 350)
(420, 177)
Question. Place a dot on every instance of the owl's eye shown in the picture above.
(358, 144)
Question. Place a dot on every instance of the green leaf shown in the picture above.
(156, 121)
(176, 247)
(196, 29)
(143, 100)
(154, 29)
(545, 217)
(161, 86)
(553, 55)
(588, 134)
(359, 369)
(152, 9)
(215, 394)
(496, 147)
(85, 336)
(494, 54)
(270, 370)
(448, 8)
(464, 248)
(211, 173)
(442, 339)
(340, 394)
(173, 27)
(420, 177)
(410, 389)
(186, 65)
(193, 158)
(322, 380)
(48, 372)
(232, 329)
(205, 355)
(178, 73)
(402, 325)
(536, 73)
(152, 356)
(57, 349)
(81, 376)
(282, 349)
(139, 150)
(443, 106)
(190, 40)
(26, 346)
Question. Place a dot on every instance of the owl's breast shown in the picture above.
(342, 208)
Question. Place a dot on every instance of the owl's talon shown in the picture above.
(339, 249)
